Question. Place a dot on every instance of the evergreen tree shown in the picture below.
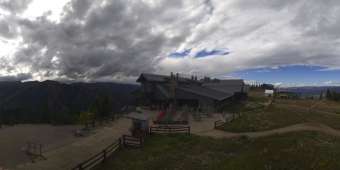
(328, 95)
(102, 107)
(321, 96)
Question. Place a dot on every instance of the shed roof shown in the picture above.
(137, 116)
(269, 91)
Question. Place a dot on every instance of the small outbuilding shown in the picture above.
(140, 123)
(269, 93)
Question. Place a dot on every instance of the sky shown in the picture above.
(288, 43)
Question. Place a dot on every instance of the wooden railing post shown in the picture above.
(104, 155)
(124, 141)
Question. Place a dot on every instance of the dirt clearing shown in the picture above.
(14, 138)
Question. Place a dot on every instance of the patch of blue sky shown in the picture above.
(180, 54)
(292, 75)
(207, 53)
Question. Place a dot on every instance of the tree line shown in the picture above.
(332, 95)
(102, 108)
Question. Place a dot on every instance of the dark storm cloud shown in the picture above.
(18, 77)
(7, 29)
(96, 39)
(103, 39)
(15, 6)
(93, 41)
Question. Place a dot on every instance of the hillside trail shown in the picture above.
(70, 155)
(206, 128)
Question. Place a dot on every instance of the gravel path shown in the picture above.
(206, 128)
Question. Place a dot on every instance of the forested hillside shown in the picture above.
(59, 103)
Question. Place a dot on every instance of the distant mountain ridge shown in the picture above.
(43, 102)
(311, 90)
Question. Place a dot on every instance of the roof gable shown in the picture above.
(152, 77)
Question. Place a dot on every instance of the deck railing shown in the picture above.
(131, 141)
(99, 157)
(218, 124)
(184, 122)
(170, 129)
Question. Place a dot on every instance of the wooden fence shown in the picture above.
(100, 157)
(128, 141)
(184, 122)
(131, 141)
(170, 129)
(218, 124)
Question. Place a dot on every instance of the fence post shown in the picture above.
(104, 155)
(141, 141)
(123, 141)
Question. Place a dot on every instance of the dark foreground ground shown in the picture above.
(300, 150)
(14, 138)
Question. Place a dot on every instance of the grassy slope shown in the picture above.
(284, 113)
(303, 150)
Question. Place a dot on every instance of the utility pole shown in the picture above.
(173, 85)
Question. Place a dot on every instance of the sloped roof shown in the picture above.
(227, 81)
(160, 78)
(153, 77)
(227, 86)
(217, 90)
(137, 116)
(206, 92)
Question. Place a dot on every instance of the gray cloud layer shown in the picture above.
(15, 6)
(98, 39)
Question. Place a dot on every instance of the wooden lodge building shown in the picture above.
(206, 93)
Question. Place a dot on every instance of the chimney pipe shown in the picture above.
(171, 75)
